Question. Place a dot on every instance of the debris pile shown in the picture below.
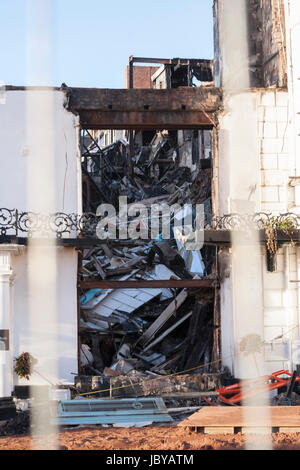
(282, 400)
(149, 167)
(20, 424)
(157, 330)
(147, 332)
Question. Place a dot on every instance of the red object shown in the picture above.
(209, 402)
(250, 388)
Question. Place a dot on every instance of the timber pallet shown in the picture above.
(232, 420)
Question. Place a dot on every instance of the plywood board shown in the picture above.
(163, 318)
(223, 416)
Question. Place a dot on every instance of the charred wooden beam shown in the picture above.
(142, 284)
(180, 108)
(146, 120)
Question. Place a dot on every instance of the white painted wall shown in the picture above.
(281, 298)
(281, 318)
(65, 329)
(274, 144)
(280, 309)
(14, 151)
(226, 302)
(292, 14)
(239, 181)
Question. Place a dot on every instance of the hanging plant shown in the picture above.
(24, 365)
(284, 223)
(271, 226)
(271, 239)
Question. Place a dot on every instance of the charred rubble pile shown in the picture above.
(153, 168)
(146, 332)
(158, 329)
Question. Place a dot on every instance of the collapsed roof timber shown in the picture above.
(120, 318)
(144, 331)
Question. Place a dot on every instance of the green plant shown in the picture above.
(24, 365)
(271, 225)
(279, 223)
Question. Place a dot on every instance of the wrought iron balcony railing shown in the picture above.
(18, 223)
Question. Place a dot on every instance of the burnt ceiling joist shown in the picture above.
(180, 108)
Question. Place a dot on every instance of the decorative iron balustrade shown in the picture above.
(258, 221)
(17, 223)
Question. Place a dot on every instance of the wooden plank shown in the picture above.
(189, 394)
(99, 267)
(167, 332)
(288, 429)
(280, 416)
(141, 284)
(219, 430)
(146, 120)
(162, 319)
(256, 430)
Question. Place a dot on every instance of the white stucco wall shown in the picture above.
(33, 339)
(281, 311)
(274, 194)
(292, 14)
(14, 150)
(281, 296)
(14, 166)
(238, 186)
(275, 163)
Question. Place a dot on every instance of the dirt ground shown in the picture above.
(148, 438)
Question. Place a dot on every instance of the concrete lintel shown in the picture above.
(12, 248)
